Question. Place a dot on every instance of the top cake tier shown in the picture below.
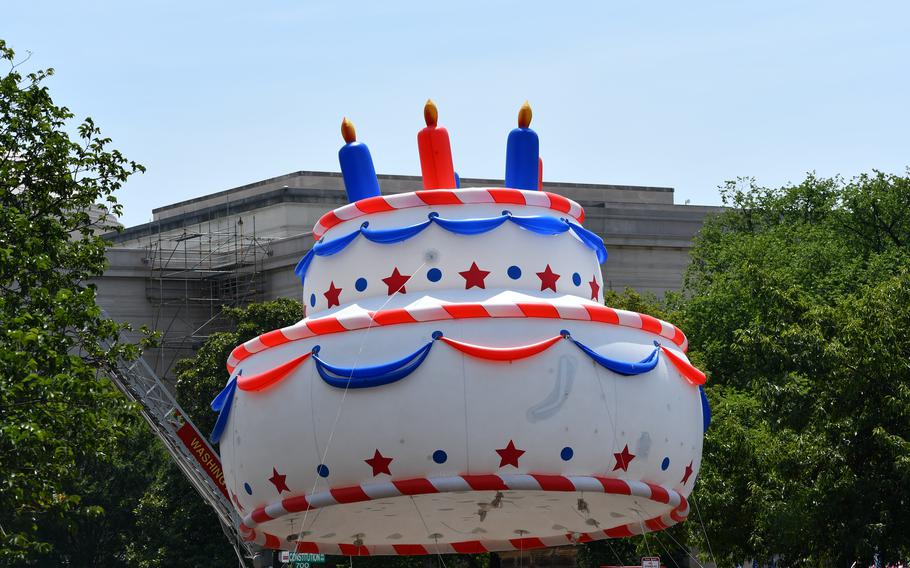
(455, 245)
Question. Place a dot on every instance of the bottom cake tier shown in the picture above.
(461, 434)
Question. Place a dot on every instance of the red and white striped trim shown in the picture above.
(353, 319)
(488, 482)
(434, 197)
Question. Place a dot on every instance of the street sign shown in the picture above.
(650, 562)
(300, 559)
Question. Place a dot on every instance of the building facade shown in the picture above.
(176, 273)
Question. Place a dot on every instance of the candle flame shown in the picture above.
(524, 116)
(430, 113)
(347, 131)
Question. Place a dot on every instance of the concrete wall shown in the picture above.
(648, 238)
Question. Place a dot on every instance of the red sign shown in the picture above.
(204, 454)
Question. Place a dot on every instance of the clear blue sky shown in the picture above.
(685, 94)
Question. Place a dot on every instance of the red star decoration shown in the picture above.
(509, 455)
(278, 481)
(548, 279)
(689, 470)
(595, 287)
(331, 295)
(379, 463)
(396, 282)
(474, 277)
(623, 458)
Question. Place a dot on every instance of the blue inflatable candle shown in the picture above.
(356, 166)
(523, 153)
(540, 174)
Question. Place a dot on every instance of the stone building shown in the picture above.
(239, 245)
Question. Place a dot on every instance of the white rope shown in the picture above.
(704, 532)
(662, 545)
(685, 549)
(613, 550)
(603, 396)
(644, 533)
(427, 528)
(599, 376)
(344, 394)
(521, 551)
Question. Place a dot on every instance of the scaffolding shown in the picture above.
(195, 273)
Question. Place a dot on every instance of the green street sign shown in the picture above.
(301, 559)
(306, 557)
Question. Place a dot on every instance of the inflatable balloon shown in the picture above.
(458, 385)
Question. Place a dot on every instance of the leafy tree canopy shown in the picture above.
(175, 527)
(797, 305)
(57, 417)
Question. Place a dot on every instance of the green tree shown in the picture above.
(799, 302)
(58, 417)
(110, 486)
(174, 525)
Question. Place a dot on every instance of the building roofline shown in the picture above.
(472, 181)
(218, 210)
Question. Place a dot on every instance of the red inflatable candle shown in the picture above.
(435, 152)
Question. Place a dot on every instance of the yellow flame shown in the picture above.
(524, 116)
(347, 131)
(430, 113)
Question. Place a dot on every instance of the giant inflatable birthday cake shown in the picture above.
(457, 385)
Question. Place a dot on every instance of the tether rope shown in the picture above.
(345, 393)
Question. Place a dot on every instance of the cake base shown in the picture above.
(446, 515)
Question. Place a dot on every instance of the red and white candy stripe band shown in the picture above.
(352, 319)
(489, 482)
(435, 197)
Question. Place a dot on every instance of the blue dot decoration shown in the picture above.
(439, 456)
(514, 272)
(434, 275)
(247, 488)
(566, 453)
(313, 300)
(576, 279)
(665, 464)
(360, 284)
(322, 470)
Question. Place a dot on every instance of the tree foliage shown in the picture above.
(175, 526)
(798, 306)
(57, 417)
